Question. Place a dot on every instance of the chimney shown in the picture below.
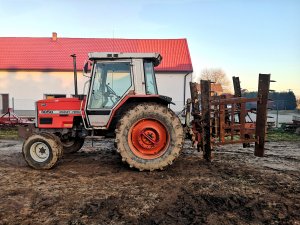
(54, 36)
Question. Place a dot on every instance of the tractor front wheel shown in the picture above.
(53, 136)
(41, 151)
(149, 136)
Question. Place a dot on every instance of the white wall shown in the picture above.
(1, 104)
(172, 85)
(26, 87)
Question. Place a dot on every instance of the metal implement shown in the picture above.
(225, 119)
(12, 119)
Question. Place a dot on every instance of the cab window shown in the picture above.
(151, 88)
(111, 82)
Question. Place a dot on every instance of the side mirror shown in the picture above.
(87, 68)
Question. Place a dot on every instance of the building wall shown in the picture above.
(25, 87)
(28, 86)
(172, 85)
(1, 105)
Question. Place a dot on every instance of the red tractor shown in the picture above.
(122, 101)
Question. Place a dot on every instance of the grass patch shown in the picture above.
(280, 135)
(8, 133)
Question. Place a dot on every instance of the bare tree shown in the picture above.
(218, 76)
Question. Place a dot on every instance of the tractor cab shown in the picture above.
(114, 78)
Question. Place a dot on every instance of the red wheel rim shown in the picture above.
(148, 138)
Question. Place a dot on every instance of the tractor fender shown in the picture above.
(129, 100)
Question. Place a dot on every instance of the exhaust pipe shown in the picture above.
(75, 75)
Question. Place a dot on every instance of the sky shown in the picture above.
(242, 37)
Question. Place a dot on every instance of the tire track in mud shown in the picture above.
(93, 186)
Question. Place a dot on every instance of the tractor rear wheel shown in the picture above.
(41, 151)
(149, 136)
(72, 145)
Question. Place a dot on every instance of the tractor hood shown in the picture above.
(59, 106)
(57, 112)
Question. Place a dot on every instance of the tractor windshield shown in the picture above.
(151, 87)
(111, 81)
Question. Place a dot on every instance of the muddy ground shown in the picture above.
(93, 186)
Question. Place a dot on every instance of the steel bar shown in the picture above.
(237, 92)
(75, 75)
(234, 100)
(237, 87)
(222, 123)
(216, 121)
(195, 98)
(205, 110)
(235, 142)
(188, 112)
(242, 120)
(261, 118)
(232, 121)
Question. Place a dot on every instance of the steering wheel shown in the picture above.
(111, 93)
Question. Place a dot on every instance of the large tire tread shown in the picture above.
(174, 128)
(56, 151)
(58, 142)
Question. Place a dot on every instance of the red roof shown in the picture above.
(18, 53)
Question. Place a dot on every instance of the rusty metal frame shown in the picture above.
(12, 119)
(222, 119)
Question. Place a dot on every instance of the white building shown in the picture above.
(32, 68)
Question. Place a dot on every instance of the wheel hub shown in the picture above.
(39, 151)
(148, 138)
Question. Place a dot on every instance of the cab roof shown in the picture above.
(154, 57)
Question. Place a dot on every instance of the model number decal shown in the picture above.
(59, 111)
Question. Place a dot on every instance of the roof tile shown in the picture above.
(23, 53)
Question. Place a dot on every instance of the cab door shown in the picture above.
(111, 82)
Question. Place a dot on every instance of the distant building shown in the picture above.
(35, 68)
